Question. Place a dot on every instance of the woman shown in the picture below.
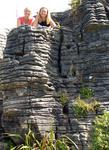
(26, 19)
(43, 18)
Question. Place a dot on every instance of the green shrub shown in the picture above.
(100, 133)
(63, 97)
(48, 142)
(86, 92)
(75, 4)
(81, 108)
(94, 105)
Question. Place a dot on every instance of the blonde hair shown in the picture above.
(27, 9)
(48, 18)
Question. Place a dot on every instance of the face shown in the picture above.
(43, 12)
(27, 13)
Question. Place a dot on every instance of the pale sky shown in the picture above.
(11, 9)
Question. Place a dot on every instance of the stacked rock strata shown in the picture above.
(26, 81)
(3, 37)
(34, 70)
(39, 65)
(34, 62)
(93, 15)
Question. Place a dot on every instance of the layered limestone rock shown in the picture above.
(34, 70)
(30, 78)
(93, 14)
(27, 79)
(39, 65)
(3, 37)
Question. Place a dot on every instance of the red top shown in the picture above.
(23, 21)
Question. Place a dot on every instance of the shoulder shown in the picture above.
(20, 18)
(32, 19)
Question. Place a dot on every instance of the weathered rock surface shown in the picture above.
(3, 38)
(38, 64)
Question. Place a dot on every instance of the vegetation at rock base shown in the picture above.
(48, 142)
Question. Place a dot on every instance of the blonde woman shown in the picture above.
(43, 18)
(26, 19)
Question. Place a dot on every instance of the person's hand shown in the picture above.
(35, 24)
(37, 16)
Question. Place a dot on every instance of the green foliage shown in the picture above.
(48, 142)
(63, 96)
(75, 4)
(9, 144)
(94, 105)
(69, 141)
(100, 133)
(58, 25)
(86, 92)
(61, 145)
(81, 108)
(28, 141)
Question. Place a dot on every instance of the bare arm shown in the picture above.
(35, 23)
(32, 24)
(52, 23)
(18, 22)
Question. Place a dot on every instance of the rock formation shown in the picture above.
(40, 64)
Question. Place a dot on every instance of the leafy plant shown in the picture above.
(86, 92)
(81, 108)
(27, 142)
(63, 98)
(95, 105)
(8, 143)
(69, 141)
(75, 4)
(100, 132)
(48, 142)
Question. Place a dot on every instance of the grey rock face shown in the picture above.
(27, 85)
(34, 63)
(30, 79)
(3, 38)
(93, 14)
(64, 18)
(40, 64)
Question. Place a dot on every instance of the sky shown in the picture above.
(11, 9)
